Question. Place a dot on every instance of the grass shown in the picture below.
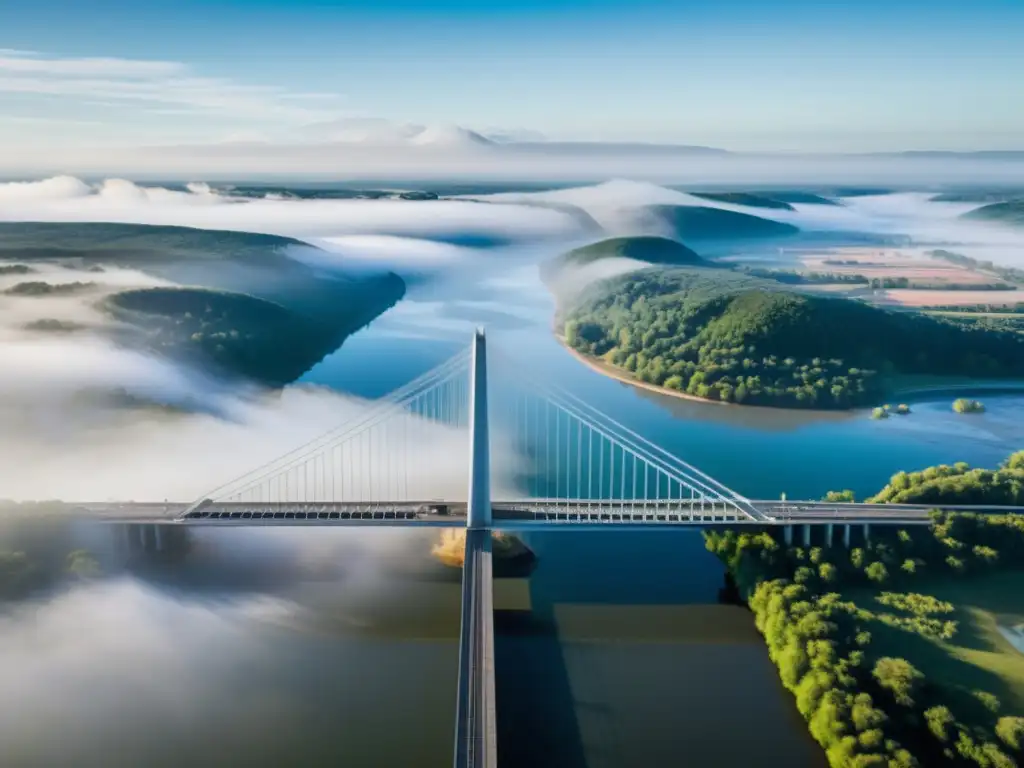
(978, 657)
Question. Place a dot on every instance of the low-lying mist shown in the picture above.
(62, 437)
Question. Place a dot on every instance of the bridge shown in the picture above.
(560, 464)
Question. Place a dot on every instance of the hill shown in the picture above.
(232, 333)
(1010, 212)
(694, 222)
(722, 335)
(798, 196)
(978, 196)
(654, 250)
(246, 306)
(748, 199)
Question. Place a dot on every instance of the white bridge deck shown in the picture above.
(521, 513)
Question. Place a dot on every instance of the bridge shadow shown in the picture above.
(537, 725)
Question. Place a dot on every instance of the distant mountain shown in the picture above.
(1011, 213)
(378, 132)
(694, 222)
(450, 136)
(637, 149)
(991, 154)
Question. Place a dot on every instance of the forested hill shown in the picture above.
(701, 223)
(725, 336)
(653, 250)
(240, 304)
(748, 199)
(1010, 212)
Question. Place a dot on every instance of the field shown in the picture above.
(881, 263)
(979, 656)
(936, 298)
(927, 273)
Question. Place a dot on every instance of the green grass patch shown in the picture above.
(978, 656)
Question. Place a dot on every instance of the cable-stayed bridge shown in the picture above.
(482, 443)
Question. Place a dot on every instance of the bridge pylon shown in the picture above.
(478, 513)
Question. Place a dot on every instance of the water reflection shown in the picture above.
(267, 650)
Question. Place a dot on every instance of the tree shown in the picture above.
(1010, 731)
(877, 572)
(941, 723)
(840, 496)
(899, 677)
(828, 573)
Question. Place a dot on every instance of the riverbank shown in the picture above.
(625, 377)
(890, 663)
(907, 391)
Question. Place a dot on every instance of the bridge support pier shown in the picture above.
(158, 538)
(867, 534)
(828, 534)
(787, 534)
(807, 534)
(846, 535)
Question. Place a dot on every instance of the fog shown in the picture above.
(537, 161)
(105, 661)
(67, 447)
(61, 200)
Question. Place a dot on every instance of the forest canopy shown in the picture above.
(722, 335)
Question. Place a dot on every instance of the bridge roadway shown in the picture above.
(476, 743)
(524, 515)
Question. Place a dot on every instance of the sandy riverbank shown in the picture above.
(910, 391)
(626, 378)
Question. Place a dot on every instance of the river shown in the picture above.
(269, 648)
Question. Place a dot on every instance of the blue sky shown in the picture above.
(739, 74)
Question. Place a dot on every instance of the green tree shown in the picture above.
(899, 677)
(877, 572)
(1010, 731)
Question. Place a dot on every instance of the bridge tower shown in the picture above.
(478, 513)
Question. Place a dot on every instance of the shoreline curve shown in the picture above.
(909, 391)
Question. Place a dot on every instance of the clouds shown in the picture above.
(25, 62)
(142, 100)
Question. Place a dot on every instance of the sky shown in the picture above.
(745, 75)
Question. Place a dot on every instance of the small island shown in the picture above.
(905, 649)
(965, 405)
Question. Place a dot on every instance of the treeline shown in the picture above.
(40, 288)
(1011, 274)
(1007, 309)
(865, 707)
(792, 277)
(37, 550)
(907, 283)
(723, 335)
(959, 484)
